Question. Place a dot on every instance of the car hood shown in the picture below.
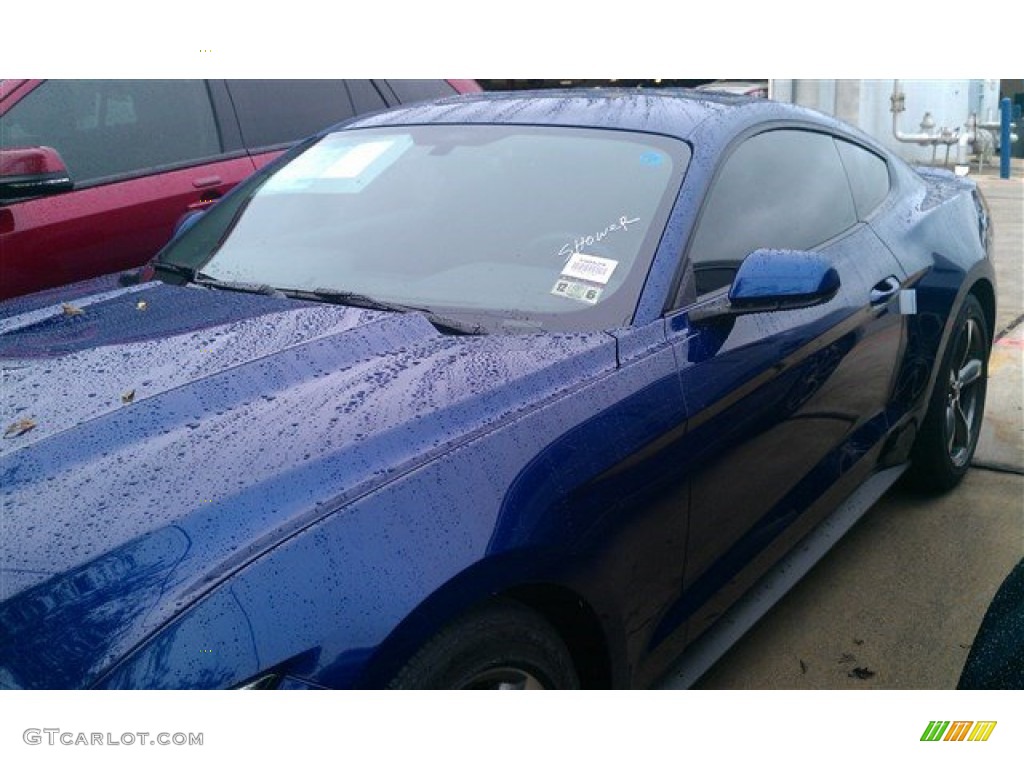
(157, 438)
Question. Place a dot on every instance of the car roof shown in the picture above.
(723, 85)
(711, 119)
(669, 111)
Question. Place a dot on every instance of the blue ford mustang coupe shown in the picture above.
(500, 391)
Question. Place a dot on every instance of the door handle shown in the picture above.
(206, 181)
(885, 290)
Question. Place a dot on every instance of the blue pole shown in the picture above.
(1004, 139)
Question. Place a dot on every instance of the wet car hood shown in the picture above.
(159, 437)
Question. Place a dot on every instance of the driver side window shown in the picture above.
(778, 189)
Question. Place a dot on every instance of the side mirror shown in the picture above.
(774, 281)
(32, 172)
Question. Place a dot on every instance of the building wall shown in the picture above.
(866, 104)
(948, 101)
(1009, 88)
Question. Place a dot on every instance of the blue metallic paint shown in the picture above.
(773, 279)
(317, 490)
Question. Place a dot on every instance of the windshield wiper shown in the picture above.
(145, 272)
(189, 273)
(450, 324)
(327, 295)
(361, 300)
(193, 275)
(261, 289)
(345, 298)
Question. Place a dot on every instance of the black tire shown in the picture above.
(949, 435)
(996, 658)
(503, 646)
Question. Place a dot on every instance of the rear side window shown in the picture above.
(365, 96)
(278, 112)
(779, 189)
(420, 90)
(869, 176)
(105, 128)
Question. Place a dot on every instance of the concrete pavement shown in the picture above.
(1001, 445)
(896, 604)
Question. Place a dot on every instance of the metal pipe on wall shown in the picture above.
(926, 139)
(1004, 139)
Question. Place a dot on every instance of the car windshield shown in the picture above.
(516, 227)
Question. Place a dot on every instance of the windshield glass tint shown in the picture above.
(542, 227)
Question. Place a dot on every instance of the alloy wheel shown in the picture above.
(964, 393)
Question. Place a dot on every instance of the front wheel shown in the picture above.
(949, 434)
(503, 646)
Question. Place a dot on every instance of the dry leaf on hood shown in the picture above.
(19, 428)
(71, 310)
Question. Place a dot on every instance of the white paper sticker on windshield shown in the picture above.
(592, 268)
(572, 289)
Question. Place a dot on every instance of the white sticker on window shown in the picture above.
(572, 289)
(592, 268)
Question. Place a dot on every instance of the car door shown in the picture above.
(409, 91)
(141, 154)
(786, 409)
(274, 114)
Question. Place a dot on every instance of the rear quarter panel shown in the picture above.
(934, 230)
